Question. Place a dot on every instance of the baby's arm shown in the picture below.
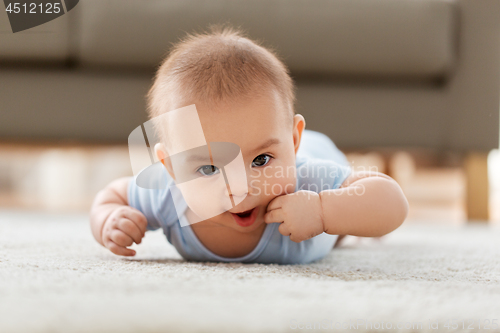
(367, 204)
(116, 225)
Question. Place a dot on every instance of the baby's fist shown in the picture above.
(300, 214)
(124, 226)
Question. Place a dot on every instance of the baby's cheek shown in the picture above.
(279, 186)
(287, 184)
(206, 197)
(272, 182)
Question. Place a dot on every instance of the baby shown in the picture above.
(299, 192)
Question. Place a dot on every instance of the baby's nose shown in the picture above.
(236, 192)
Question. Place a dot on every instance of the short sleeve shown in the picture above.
(141, 199)
(156, 204)
(319, 175)
(340, 174)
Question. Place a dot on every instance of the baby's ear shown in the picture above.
(299, 123)
(163, 157)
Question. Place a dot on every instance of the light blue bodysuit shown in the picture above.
(320, 166)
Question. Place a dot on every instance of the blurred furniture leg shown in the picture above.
(477, 202)
(434, 184)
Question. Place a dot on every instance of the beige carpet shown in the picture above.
(55, 278)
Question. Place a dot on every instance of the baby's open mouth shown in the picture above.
(245, 213)
(246, 218)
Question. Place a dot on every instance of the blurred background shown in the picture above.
(410, 88)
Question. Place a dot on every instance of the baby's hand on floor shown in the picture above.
(300, 215)
(124, 226)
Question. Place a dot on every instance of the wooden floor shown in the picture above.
(66, 179)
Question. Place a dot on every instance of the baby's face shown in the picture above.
(261, 127)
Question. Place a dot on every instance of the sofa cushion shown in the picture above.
(361, 37)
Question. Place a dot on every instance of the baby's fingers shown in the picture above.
(119, 250)
(131, 229)
(138, 218)
(121, 238)
(283, 229)
(273, 216)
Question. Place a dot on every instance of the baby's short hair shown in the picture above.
(219, 65)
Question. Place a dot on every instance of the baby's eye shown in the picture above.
(261, 160)
(208, 170)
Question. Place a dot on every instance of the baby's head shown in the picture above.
(244, 95)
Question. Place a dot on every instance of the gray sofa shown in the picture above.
(370, 73)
